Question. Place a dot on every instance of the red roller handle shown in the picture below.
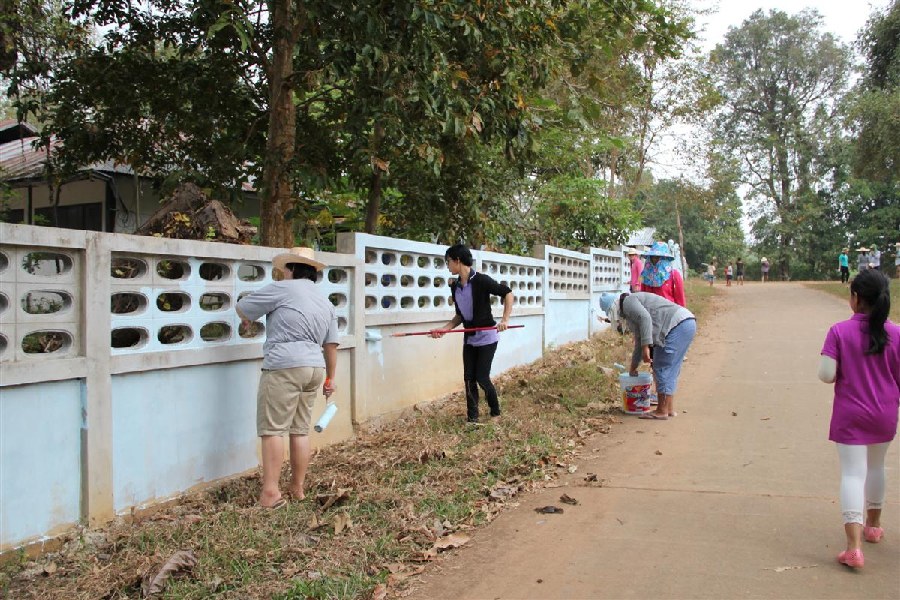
(464, 330)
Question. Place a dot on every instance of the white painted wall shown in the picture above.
(146, 423)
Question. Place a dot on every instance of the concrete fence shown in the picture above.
(125, 378)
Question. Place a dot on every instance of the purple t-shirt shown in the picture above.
(463, 299)
(867, 386)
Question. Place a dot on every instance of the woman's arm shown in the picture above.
(827, 369)
(507, 311)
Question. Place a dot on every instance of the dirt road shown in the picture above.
(741, 502)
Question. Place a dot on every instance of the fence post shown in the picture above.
(96, 433)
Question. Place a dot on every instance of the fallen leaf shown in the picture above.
(734, 414)
(572, 468)
(765, 418)
(341, 521)
(380, 592)
(590, 477)
(549, 510)
(50, 569)
(181, 561)
(454, 540)
(329, 500)
(250, 552)
(567, 499)
(659, 453)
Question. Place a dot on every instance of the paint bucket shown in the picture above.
(635, 392)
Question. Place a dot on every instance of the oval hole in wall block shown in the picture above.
(46, 342)
(129, 337)
(217, 331)
(123, 303)
(46, 302)
(127, 268)
(46, 264)
(174, 334)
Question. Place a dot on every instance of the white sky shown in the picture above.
(844, 18)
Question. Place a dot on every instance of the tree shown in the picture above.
(779, 78)
(709, 212)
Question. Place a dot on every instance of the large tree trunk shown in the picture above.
(275, 229)
(373, 202)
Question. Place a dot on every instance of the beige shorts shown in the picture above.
(285, 399)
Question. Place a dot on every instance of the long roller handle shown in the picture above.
(464, 330)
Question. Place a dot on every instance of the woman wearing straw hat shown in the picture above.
(299, 355)
(764, 269)
(637, 268)
(660, 277)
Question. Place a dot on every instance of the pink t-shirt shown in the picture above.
(636, 267)
(867, 386)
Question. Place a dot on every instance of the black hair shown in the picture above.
(302, 271)
(872, 288)
(461, 253)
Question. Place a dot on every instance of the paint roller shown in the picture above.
(330, 408)
(325, 419)
(464, 330)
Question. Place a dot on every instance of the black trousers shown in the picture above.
(845, 274)
(477, 362)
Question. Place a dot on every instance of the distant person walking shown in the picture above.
(739, 271)
(875, 258)
(862, 259)
(844, 265)
(660, 277)
(636, 268)
(764, 269)
(861, 356)
(711, 273)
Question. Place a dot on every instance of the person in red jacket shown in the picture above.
(660, 277)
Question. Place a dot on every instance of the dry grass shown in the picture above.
(399, 491)
(842, 291)
(379, 507)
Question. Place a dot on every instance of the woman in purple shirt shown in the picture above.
(472, 298)
(861, 356)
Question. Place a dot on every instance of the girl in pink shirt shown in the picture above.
(861, 356)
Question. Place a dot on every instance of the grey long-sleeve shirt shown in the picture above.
(651, 318)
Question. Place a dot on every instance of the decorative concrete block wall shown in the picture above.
(125, 355)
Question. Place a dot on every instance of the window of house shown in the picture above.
(74, 216)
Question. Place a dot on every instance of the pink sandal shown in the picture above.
(852, 558)
(873, 534)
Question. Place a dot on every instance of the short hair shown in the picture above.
(302, 271)
(461, 253)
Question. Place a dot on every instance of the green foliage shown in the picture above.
(779, 77)
(710, 214)
(574, 212)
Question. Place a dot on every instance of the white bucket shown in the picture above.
(635, 392)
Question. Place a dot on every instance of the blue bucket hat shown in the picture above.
(659, 249)
(606, 300)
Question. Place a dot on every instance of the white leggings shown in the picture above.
(862, 479)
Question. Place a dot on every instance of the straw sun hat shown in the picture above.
(304, 256)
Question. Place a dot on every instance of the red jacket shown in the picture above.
(672, 289)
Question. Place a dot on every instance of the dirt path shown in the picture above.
(742, 502)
